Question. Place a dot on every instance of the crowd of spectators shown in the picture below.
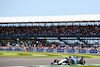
(50, 30)
(50, 47)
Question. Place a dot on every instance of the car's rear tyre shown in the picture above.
(70, 62)
(82, 62)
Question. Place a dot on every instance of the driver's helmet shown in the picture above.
(70, 56)
(66, 58)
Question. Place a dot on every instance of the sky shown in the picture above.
(13, 8)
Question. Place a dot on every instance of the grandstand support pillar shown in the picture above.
(38, 24)
(13, 24)
(65, 24)
(45, 24)
(6, 25)
(20, 24)
(72, 23)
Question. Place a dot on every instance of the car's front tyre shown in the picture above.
(51, 63)
(60, 64)
(56, 61)
(82, 62)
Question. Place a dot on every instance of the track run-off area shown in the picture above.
(29, 59)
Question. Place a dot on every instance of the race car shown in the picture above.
(72, 60)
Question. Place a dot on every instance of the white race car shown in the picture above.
(69, 61)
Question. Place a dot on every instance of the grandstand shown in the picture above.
(70, 29)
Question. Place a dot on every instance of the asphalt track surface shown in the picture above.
(35, 61)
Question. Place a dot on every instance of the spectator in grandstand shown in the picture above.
(50, 30)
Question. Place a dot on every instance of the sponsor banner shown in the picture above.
(55, 50)
(60, 50)
(93, 51)
(49, 50)
(8, 49)
(65, 51)
(13, 49)
(17, 49)
(87, 51)
(81, 51)
(34, 50)
(71, 51)
(22, 49)
(39, 50)
(76, 51)
(30, 50)
(2, 49)
(99, 51)
(44, 50)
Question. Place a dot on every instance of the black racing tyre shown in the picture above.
(70, 62)
(56, 61)
(60, 64)
(51, 63)
(82, 62)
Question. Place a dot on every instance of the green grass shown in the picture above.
(42, 54)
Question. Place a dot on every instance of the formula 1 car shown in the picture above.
(72, 60)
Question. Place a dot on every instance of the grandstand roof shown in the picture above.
(50, 19)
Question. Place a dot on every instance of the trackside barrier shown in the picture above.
(81, 51)
(93, 51)
(60, 50)
(39, 50)
(49, 50)
(71, 51)
(98, 52)
(54, 50)
(87, 51)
